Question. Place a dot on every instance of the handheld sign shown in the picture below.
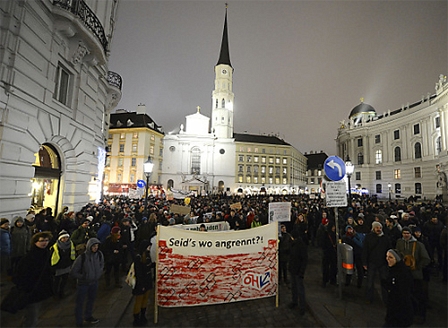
(334, 168)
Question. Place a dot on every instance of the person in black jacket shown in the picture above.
(298, 260)
(329, 255)
(144, 282)
(33, 275)
(284, 247)
(113, 255)
(374, 251)
(399, 286)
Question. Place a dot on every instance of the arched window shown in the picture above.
(379, 188)
(418, 188)
(418, 150)
(378, 157)
(195, 161)
(223, 103)
(360, 158)
(397, 152)
(170, 184)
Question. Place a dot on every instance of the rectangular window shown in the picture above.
(249, 158)
(240, 158)
(271, 160)
(271, 170)
(119, 177)
(437, 122)
(120, 162)
(263, 159)
(122, 135)
(248, 169)
(378, 175)
(277, 170)
(249, 150)
(277, 160)
(62, 87)
(263, 170)
(397, 174)
(240, 178)
(107, 161)
(377, 138)
(311, 180)
(153, 137)
(285, 161)
(285, 170)
(378, 157)
(277, 180)
(263, 180)
(135, 135)
(359, 142)
(132, 177)
(248, 179)
(133, 161)
(255, 159)
(284, 181)
(240, 168)
(255, 179)
(357, 175)
(416, 128)
(271, 181)
(134, 147)
(256, 150)
(256, 169)
(151, 149)
(121, 148)
(417, 172)
(396, 134)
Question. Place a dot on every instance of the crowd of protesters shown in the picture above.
(123, 229)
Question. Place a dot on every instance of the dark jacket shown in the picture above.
(399, 303)
(109, 248)
(298, 257)
(284, 246)
(5, 242)
(20, 238)
(89, 266)
(143, 273)
(33, 274)
(374, 249)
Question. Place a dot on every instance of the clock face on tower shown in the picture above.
(224, 71)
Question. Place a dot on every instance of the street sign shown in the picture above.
(141, 183)
(334, 168)
(336, 194)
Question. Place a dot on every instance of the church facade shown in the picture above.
(400, 153)
(206, 156)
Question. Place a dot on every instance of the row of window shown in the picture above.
(256, 150)
(262, 180)
(397, 173)
(262, 169)
(256, 159)
(397, 188)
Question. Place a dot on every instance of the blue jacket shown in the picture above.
(5, 242)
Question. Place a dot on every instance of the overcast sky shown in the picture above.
(299, 66)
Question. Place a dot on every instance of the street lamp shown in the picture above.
(349, 168)
(390, 186)
(147, 169)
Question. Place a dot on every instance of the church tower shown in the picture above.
(222, 95)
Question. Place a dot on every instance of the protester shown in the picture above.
(374, 251)
(87, 270)
(398, 284)
(329, 254)
(20, 241)
(33, 276)
(113, 256)
(355, 240)
(284, 247)
(298, 261)
(144, 283)
(62, 257)
(5, 249)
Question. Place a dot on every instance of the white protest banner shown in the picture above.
(210, 226)
(200, 268)
(279, 211)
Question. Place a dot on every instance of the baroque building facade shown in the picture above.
(55, 100)
(133, 137)
(400, 153)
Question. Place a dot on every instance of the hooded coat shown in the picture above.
(88, 268)
(421, 256)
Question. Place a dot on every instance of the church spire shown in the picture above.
(224, 55)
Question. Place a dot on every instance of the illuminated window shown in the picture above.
(248, 179)
(378, 157)
(285, 170)
(263, 180)
(271, 180)
(122, 135)
(263, 159)
(277, 160)
(153, 137)
(271, 160)
(255, 179)
(249, 158)
(271, 170)
(240, 178)
(277, 180)
(135, 135)
(263, 169)
(285, 181)
(397, 174)
(134, 147)
(285, 161)
(120, 162)
(255, 159)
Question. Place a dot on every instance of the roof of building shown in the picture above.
(316, 160)
(362, 108)
(224, 55)
(256, 138)
(123, 120)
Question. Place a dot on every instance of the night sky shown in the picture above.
(299, 66)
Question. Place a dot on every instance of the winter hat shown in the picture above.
(393, 217)
(18, 219)
(396, 254)
(3, 221)
(348, 227)
(360, 215)
(412, 213)
(376, 224)
(90, 218)
(417, 229)
(63, 234)
(115, 230)
(30, 217)
(85, 220)
(325, 221)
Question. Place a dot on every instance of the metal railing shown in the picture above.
(114, 79)
(88, 17)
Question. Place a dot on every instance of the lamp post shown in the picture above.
(389, 186)
(349, 168)
(147, 169)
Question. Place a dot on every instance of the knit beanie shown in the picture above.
(376, 224)
(3, 221)
(396, 254)
(115, 229)
(63, 234)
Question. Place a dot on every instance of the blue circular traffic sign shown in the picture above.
(334, 168)
(141, 183)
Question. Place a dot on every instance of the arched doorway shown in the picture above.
(46, 181)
